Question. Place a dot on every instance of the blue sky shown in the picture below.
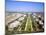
(13, 6)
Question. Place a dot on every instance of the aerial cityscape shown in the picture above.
(24, 17)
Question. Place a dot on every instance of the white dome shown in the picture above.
(40, 22)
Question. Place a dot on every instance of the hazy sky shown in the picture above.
(24, 6)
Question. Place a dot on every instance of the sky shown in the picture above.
(13, 6)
